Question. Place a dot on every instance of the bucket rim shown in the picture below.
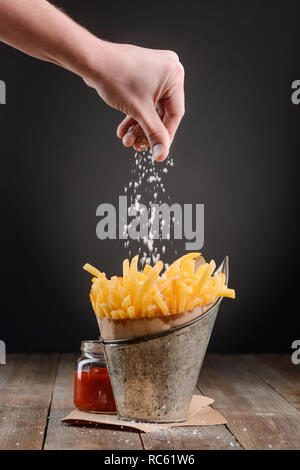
(224, 267)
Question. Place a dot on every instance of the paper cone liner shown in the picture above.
(133, 328)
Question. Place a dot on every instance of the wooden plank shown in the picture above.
(6, 370)
(258, 416)
(61, 436)
(26, 390)
(191, 438)
(279, 372)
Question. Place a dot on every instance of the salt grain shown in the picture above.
(146, 189)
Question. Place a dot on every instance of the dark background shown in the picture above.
(237, 151)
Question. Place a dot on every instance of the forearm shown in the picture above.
(41, 30)
(131, 79)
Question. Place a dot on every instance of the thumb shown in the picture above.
(156, 133)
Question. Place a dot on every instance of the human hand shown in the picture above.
(145, 84)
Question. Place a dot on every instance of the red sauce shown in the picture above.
(93, 392)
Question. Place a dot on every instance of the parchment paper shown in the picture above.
(199, 414)
(136, 327)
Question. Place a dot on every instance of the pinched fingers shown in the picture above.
(132, 134)
(124, 125)
(174, 108)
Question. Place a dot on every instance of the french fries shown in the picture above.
(148, 293)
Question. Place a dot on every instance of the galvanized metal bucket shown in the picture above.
(153, 377)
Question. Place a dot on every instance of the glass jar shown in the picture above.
(92, 387)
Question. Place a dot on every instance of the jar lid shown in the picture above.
(93, 346)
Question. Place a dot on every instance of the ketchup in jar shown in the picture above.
(92, 387)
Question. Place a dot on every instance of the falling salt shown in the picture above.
(145, 189)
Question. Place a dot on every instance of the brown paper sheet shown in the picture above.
(199, 414)
(137, 327)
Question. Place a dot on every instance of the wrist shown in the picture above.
(76, 49)
(93, 60)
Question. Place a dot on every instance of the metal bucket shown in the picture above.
(153, 377)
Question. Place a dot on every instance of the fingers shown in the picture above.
(172, 122)
(172, 119)
(141, 142)
(124, 125)
(174, 108)
(132, 134)
(150, 130)
(155, 132)
(135, 138)
(156, 124)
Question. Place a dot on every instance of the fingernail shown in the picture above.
(157, 151)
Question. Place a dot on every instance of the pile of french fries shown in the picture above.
(147, 293)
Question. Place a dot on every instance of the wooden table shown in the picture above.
(259, 395)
